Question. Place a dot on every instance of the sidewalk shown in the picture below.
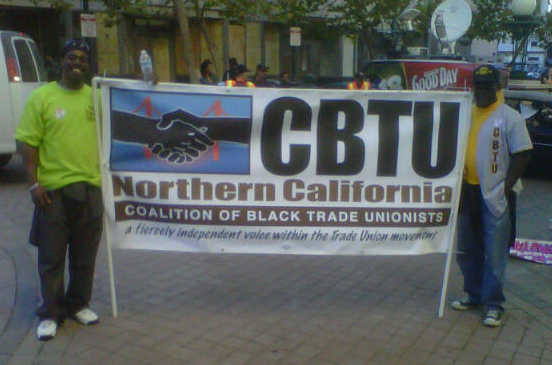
(184, 308)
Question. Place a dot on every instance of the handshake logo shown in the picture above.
(180, 139)
(183, 142)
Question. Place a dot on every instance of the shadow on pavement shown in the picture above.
(13, 172)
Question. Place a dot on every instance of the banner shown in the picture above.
(533, 250)
(217, 169)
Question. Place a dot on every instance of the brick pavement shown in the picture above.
(180, 308)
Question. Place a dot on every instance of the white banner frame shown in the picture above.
(107, 184)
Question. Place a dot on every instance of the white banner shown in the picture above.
(216, 169)
(533, 250)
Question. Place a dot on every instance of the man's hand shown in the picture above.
(29, 153)
(184, 141)
(40, 196)
(518, 163)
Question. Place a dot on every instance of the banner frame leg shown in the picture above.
(446, 276)
(111, 272)
(107, 232)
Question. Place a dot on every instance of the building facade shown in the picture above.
(116, 47)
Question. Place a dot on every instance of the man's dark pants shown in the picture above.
(483, 242)
(73, 221)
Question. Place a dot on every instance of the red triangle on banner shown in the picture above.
(149, 108)
(216, 107)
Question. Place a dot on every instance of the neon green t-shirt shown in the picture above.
(61, 123)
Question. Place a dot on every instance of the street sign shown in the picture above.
(295, 36)
(88, 25)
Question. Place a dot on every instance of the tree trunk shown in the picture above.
(200, 12)
(366, 42)
(517, 51)
(210, 45)
(182, 15)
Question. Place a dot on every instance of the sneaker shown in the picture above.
(493, 317)
(463, 304)
(46, 330)
(85, 316)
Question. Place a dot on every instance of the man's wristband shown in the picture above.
(34, 186)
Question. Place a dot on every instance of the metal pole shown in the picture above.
(104, 181)
(293, 66)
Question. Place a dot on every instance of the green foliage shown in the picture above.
(544, 31)
(365, 16)
(236, 10)
(310, 15)
(489, 22)
(56, 4)
(298, 13)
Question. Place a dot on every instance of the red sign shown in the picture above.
(438, 75)
(421, 74)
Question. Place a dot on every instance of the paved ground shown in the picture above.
(177, 308)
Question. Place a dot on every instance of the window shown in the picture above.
(534, 43)
(11, 61)
(26, 62)
(39, 62)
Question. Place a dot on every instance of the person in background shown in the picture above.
(547, 77)
(497, 153)
(57, 139)
(359, 83)
(240, 77)
(260, 76)
(207, 78)
(228, 74)
(284, 80)
(374, 80)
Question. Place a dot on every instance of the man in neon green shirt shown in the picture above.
(57, 139)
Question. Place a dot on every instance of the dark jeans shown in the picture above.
(483, 241)
(74, 221)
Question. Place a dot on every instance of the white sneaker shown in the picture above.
(493, 317)
(86, 316)
(46, 330)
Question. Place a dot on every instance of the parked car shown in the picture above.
(534, 74)
(21, 71)
(536, 108)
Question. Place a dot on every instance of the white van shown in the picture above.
(21, 71)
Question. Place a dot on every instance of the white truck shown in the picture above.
(21, 71)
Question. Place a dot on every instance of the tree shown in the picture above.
(489, 20)
(184, 9)
(367, 19)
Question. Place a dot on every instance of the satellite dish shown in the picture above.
(450, 21)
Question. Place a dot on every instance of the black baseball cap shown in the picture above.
(240, 69)
(75, 43)
(486, 74)
(262, 67)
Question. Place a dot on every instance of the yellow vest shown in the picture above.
(232, 83)
(353, 86)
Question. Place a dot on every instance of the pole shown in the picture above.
(92, 44)
(107, 232)
(110, 267)
(454, 214)
(446, 274)
(293, 66)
